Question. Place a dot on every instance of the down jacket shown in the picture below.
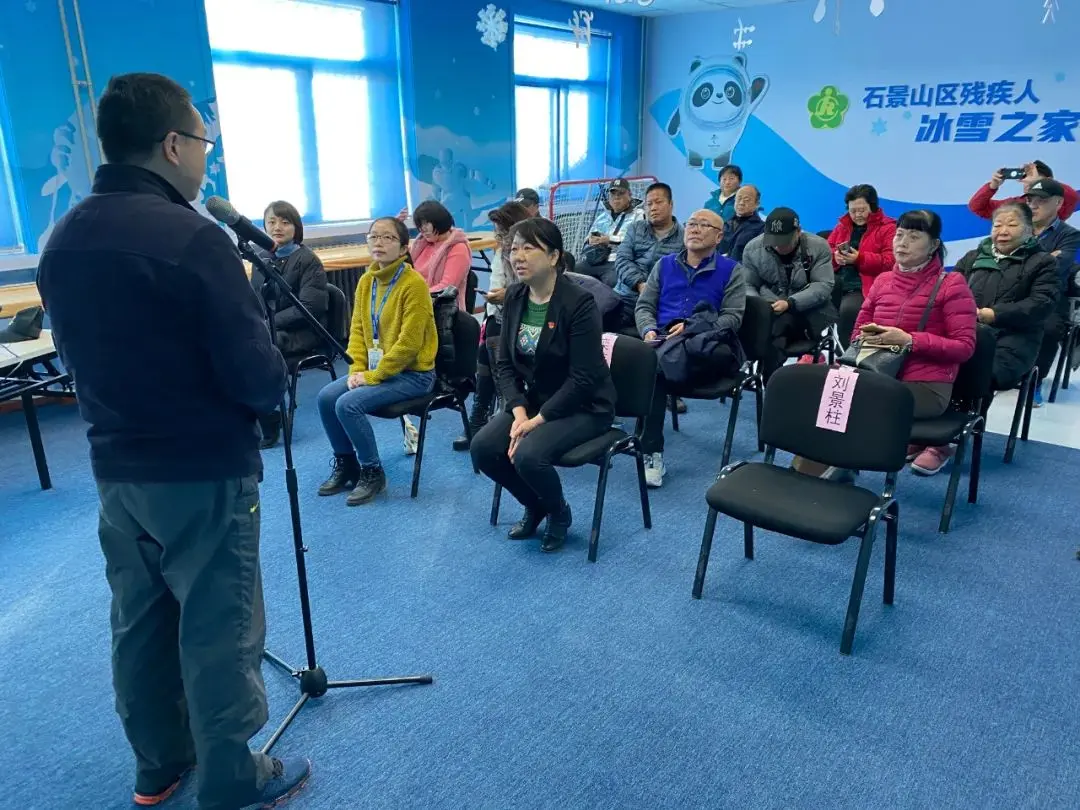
(899, 299)
(875, 247)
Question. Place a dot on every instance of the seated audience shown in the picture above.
(792, 270)
(530, 199)
(441, 254)
(1016, 288)
(745, 225)
(646, 242)
(304, 273)
(393, 344)
(894, 308)
(555, 385)
(722, 201)
(619, 209)
(694, 286)
(983, 204)
(861, 246)
(502, 218)
(1062, 241)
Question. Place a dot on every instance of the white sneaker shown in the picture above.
(654, 470)
(411, 438)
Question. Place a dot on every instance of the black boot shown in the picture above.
(557, 526)
(476, 421)
(527, 526)
(481, 410)
(344, 473)
(372, 482)
(271, 430)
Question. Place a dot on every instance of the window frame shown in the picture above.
(14, 202)
(375, 69)
(596, 87)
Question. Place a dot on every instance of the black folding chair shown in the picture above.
(337, 324)
(452, 388)
(633, 370)
(965, 417)
(1025, 403)
(755, 336)
(1070, 340)
(783, 500)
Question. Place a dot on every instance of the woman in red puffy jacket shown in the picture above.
(861, 244)
(893, 309)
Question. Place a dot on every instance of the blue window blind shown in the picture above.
(309, 106)
(560, 104)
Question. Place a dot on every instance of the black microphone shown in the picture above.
(223, 211)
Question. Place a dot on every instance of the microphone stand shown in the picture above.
(312, 678)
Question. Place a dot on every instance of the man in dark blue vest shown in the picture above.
(676, 285)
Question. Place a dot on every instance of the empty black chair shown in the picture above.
(337, 324)
(453, 384)
(633, 370)
(755, 336)
(965, 417)
(782, 500)
(1070, 341)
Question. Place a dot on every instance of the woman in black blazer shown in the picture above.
(553, 380)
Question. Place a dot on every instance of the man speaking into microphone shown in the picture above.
(172, 361)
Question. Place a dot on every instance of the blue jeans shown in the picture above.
(344, 413)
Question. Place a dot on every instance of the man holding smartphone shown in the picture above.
(983, 204)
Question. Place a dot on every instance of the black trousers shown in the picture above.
(531, 477)
(793, 326)
(848, 306)
(188, 630)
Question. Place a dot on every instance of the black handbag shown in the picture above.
(887, 360)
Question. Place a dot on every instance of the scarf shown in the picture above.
(990, 258)
(430, 258)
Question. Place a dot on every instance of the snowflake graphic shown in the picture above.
(31, 6)
(492, 26)
(879, 127)
(1059, 77)
(907, 115)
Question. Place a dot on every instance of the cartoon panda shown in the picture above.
(713, 109)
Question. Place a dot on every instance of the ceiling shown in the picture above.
(659, 8)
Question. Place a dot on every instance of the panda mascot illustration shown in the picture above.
(713, 109)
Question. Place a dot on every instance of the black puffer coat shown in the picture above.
(1023, 290)
(304, 273)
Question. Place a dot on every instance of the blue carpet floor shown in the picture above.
(568, 685)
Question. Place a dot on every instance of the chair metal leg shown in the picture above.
(858, 583)
(976, 461)
(748, 540)
(758, 395)
(703, 557)
(1014, 430)
(643, 490)
(673, 401)
(1074, 338)
(598, 507)
(1063, 357)
(954, 483)
(736, 398)
(892, 531)
(496, 496)
(418, 463)
(1029, 403)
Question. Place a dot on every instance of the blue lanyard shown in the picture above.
(375, 316)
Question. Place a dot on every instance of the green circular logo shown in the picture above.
(827, 108)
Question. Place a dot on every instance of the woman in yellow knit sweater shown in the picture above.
(393, 344)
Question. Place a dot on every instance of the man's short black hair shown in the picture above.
(1042, 168)
(137, 111)
(863, 191)
(434, 212)
(732, 169)
(664, 187)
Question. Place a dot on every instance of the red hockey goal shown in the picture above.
(574, 204)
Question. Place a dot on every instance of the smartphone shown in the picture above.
(844, 248)
(484, 293)
(1012, 174)
(596, 233)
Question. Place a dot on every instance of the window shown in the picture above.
(10, 237)
(560, 100)
(309, 107)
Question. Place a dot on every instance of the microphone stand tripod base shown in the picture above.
(313, 680)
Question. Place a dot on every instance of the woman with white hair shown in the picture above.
(1016, 289)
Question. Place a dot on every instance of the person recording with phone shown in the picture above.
(983, 204)
(304, 273)
(155, 320)
(393, 343)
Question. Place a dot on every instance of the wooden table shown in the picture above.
(14, 297)
(27, 371)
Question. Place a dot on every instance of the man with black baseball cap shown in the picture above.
(612, 220)
(1046, 197)
(792, 270)
(530, 198)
